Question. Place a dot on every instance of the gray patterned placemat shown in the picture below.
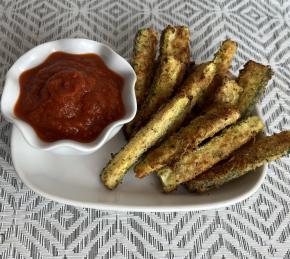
(34, 227)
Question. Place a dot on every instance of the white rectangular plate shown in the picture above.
(75, 180)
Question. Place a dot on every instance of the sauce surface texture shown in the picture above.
(70, 97)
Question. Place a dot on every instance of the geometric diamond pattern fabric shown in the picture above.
(259, 227)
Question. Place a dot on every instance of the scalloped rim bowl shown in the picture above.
(35, 57)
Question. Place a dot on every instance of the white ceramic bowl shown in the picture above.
(35, 57)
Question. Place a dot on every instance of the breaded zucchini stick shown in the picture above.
(218, 148)
(144, 64)
(226, 54)
(243, 161)
(189, 137)
(144, 52)
(175, 42)
(173, 60)
(223, 63)
(168, 75)
(158, 126)
(253, 79)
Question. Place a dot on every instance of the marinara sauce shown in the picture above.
(70, 97)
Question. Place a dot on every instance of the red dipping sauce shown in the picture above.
(70, 97)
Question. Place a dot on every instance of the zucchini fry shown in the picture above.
(168, 75)
(145, 48)
(223, 63)
(173, 60)
(193, 163)
(189, 137)
(158, 126)
(175, 42)
(243, 161)
(253, 79)
(187, 88)
(225, 57)
(143, 63)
